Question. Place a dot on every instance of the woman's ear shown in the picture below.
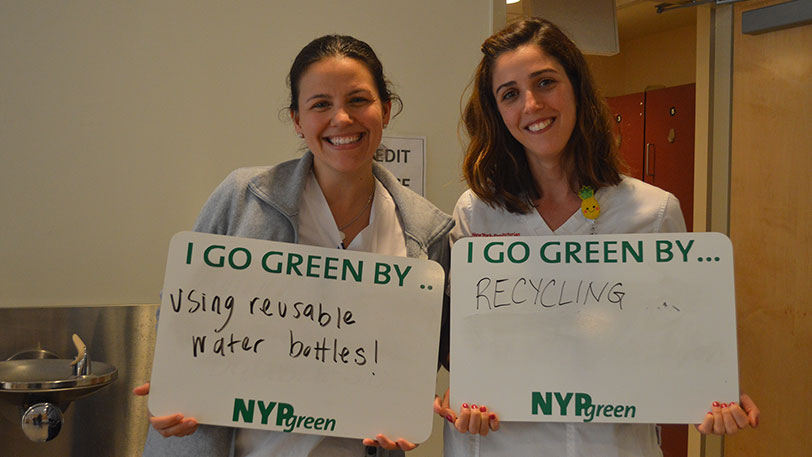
(387, 112)
(294, 116)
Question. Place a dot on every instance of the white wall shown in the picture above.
(117, 119)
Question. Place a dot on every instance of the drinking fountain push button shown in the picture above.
(42, 422)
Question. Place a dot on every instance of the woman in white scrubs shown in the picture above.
(541, 161)
(334, 196)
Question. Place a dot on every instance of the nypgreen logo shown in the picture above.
(581, 407)
(285, 415)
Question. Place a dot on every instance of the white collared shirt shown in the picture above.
(629, 207)
(383, 235)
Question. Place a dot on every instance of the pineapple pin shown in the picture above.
(589, 206)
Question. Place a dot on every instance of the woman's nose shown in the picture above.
(531, 103)
(341, 117)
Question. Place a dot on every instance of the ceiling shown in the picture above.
(635, 18)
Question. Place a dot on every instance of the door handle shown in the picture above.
(649, 159)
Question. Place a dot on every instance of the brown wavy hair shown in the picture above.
(495, 164)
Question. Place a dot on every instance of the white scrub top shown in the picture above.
(629, 207)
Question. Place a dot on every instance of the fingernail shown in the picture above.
(473, 406)
(482, 409)
(492, 417)
(465, 405)
(449, 418)
(716, 404)
(710, 413)
(731, 403)
(724, 405)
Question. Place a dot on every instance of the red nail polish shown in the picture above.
(473, 406)
(465, 405)
(716, 404)
(493, 417)
(731, 403)
(724, 405)
(449, 418)
(482, 409)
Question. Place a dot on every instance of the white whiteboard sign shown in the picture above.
(611, 328)
(279, 336)
(405, 157)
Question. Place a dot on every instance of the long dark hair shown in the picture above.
(495, 164)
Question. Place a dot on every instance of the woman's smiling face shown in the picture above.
(536, 101)
(340, 115)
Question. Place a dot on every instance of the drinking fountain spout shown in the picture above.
(81, 364)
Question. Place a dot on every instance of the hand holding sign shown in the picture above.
(171, 425)
(729, 419)
(473, 419)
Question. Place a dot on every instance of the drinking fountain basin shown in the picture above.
(52, 378)
(41, 388)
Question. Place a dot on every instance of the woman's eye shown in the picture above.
(359, 100)
(508, 94)
(320, 105)
(545, 82)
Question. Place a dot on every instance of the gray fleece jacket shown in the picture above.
(263, 203)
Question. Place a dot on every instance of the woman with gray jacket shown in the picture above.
(334, 196)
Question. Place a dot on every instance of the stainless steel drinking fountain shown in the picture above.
(40, 386)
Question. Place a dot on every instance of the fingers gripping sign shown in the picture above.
(386, 443)
(473, 419)
(442, 408)
(730, 418)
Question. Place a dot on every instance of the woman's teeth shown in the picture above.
(540, 125)
(341, 140)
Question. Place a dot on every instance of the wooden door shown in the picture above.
(771, 230)
(669, 144)
(628, 121)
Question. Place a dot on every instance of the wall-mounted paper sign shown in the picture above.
(405, 157)
(611, 328)
(280, 336)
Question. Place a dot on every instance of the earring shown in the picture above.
(300, 135)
